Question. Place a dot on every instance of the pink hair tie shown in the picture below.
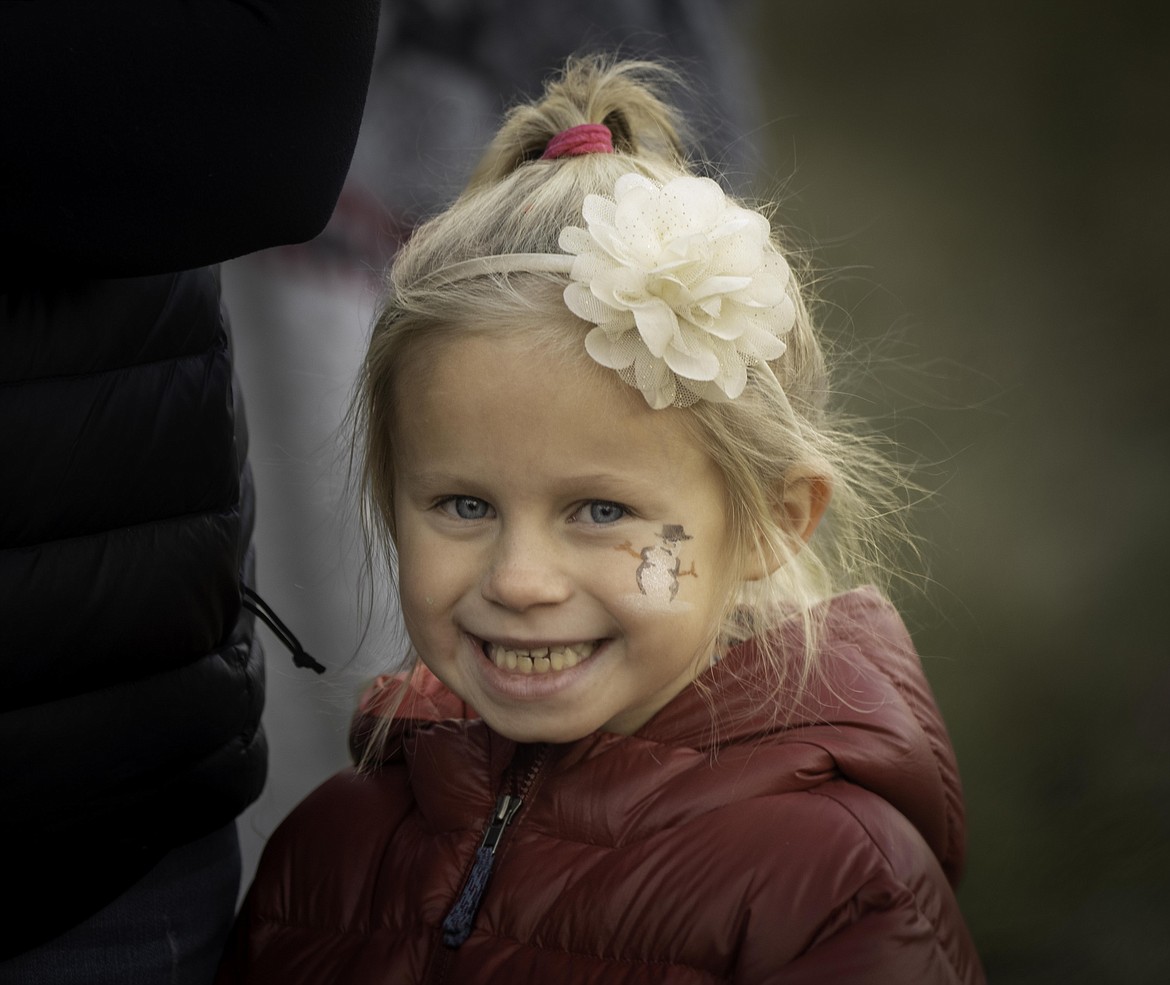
(588, 138)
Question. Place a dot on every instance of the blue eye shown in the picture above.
(602, 512)
(467, 507)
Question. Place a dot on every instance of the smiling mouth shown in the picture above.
(539, 660)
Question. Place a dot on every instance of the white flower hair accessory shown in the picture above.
(682, 287)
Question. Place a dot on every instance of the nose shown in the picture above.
(525, 570)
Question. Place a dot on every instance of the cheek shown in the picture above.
(646, 606)
(413, 605)
(419, 585)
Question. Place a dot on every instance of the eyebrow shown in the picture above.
(602, 479)
(455, 480)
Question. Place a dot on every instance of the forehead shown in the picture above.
(502, 397)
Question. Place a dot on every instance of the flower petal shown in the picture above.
(587, 306)
(597, 210)
(575, 240)
(733, 379)
(655, 381)
(696, 364)
(720, 285)
(630, 181)
(613, 351)
(657, 324)
(621, 287)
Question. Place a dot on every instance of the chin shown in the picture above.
(553, 732)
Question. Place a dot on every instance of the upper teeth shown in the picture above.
(539, 660)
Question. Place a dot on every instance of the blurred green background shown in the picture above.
(986, 186)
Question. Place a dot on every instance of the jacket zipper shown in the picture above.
(457, 925)
(460, 919)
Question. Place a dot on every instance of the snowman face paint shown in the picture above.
(524, 492)
(658, 574)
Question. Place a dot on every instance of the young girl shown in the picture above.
(647, 737)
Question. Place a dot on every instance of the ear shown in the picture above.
(803, 505)
(798, 511)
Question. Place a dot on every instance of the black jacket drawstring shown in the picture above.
(256, 605)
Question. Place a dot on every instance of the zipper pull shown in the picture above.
(457, 925)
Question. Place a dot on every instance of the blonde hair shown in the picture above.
(779, 431)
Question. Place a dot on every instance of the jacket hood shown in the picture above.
(866, 714)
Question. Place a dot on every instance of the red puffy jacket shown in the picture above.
(732, 847)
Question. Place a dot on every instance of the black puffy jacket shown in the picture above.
(143, 142)
(130, 711)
